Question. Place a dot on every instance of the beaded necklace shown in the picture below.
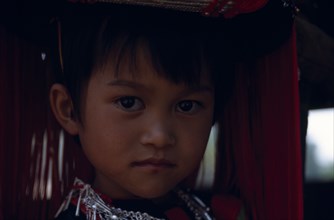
(95, 207)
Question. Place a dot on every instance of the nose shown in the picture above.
(158, 134)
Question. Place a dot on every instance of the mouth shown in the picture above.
(154, 163)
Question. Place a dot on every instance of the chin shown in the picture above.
(152, 193)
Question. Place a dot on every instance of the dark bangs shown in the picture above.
(178, 53)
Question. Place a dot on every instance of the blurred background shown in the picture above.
(315, 44)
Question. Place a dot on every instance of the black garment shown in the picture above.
(69, 214)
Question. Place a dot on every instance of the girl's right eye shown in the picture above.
(129, 103)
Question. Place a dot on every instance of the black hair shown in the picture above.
(181, 45)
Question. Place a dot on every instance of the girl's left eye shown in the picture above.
(188, 106)
(129, 103)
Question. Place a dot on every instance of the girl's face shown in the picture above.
(144, 134)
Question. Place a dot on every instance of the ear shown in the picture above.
(62, 107)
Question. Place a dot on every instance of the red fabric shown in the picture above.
(176, 214)
(245, 6)
(227, 7)
(261, 159)
(226, 207)
(26, 126)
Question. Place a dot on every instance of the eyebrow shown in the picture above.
(125, 83)
(135, 85)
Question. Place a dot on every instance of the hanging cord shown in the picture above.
(60, 52)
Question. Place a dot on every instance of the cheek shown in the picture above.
(104, 138)
(107, 123)
(194, 140)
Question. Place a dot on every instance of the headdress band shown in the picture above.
(229, 8)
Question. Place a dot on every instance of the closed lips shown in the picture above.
(154, 162)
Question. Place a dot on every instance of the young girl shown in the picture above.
(138, 87)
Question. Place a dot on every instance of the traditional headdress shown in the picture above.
(252, 27)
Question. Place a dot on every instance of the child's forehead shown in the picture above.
(137, 63)
(146, 74)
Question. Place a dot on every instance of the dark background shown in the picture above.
(315, 43)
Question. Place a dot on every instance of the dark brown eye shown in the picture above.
(129, 103)
(188, 106)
